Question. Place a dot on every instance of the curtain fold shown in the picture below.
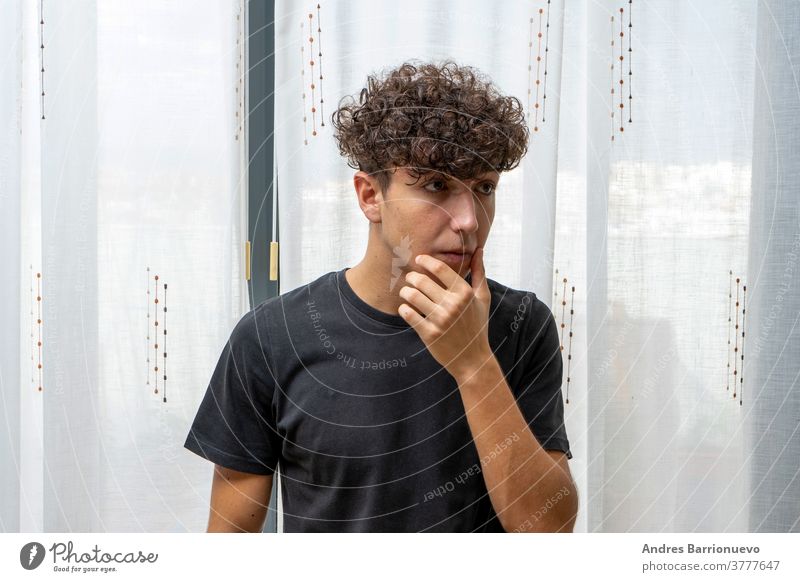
(70, 274)
(774, 348)
(10, 236)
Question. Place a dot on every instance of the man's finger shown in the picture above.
(428, 286)
(478, 271)
(440, 269)
(417, 299)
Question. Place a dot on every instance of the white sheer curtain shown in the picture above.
(138, 163)
(132, 159)
(652, 229)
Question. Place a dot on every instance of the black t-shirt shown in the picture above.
(369, 429)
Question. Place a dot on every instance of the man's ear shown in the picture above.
(370, 197)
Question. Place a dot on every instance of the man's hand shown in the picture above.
(454, 319)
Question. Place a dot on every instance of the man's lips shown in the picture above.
(455, 258)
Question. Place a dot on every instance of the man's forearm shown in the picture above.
(523, 478)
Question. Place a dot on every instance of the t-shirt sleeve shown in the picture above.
(538, 391)
(235, 425)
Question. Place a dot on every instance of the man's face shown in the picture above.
(437, 215)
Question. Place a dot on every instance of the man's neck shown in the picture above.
(376, 284)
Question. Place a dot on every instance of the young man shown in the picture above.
(409, 392)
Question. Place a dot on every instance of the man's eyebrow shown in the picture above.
(434, 174)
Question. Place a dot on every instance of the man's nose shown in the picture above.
(462, 211)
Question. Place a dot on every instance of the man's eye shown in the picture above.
(487, 188)
(435, 183)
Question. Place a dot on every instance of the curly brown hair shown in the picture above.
(431, 118)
